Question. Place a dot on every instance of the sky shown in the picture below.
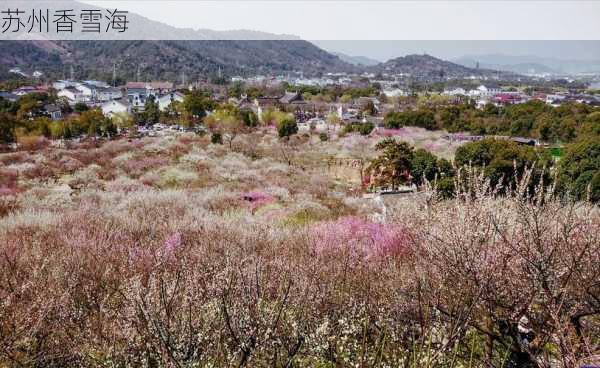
(381, 19)
(386, 20)
(383, 29)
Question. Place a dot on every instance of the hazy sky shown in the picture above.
(397, 20)
(381, 19)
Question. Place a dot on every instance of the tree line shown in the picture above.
(535, 119)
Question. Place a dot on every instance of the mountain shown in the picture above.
(168, 59)
(356, 60)
(530, 64)
(428, 67)
(196, 53)
(137, 54)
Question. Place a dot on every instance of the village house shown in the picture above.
(73, 95)
(457, 91)
(53, 111)
(17, 71)
(21, 91)
(555, 100)
(363, 102)
(60, 84)
(509, 98)
(292, 99)
(88, 90)
(485, 91)
(8, 96)
(265, 103)
(165, 101)
(108, 93)
(110, 108)
(396, 92)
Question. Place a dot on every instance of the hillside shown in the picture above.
(431, 68)
(168, 59)
(526, 64)
(199, 52)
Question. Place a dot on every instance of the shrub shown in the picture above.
(362, 128)
(32, 143)
(287, 128)
(216, 138)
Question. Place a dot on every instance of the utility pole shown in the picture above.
(114, 74)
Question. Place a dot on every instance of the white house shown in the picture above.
(394, 92)
(166, 100)
(555, 100)
(489, 90)
(455, 92)
(87, 90)
(108, 94)
(73, 95)
(109, 109)
(62, 84)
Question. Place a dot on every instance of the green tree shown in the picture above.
(249, 118)
(8, 123)
(80, 107)
(287, 128)
(393, 165)
(122, 121)
(423, 166)
(227, 122)
(195, 104)
(216, 138)
(504, 160)
(579, 169)
(151, 111)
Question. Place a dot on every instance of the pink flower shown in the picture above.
(257, 199)
(364, 239)
(5, 191)
(172, 243)
(388, 132)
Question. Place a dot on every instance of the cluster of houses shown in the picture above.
(329, 79)
(308, 112)
(132, 97)
(111, 100)
(496, 95)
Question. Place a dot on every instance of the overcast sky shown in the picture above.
(396, 20)
(377, 19)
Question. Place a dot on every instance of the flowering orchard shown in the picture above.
(175, 252)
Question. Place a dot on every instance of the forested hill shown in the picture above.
(429, 67)
(169, 59)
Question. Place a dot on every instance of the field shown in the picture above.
(176, 252)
